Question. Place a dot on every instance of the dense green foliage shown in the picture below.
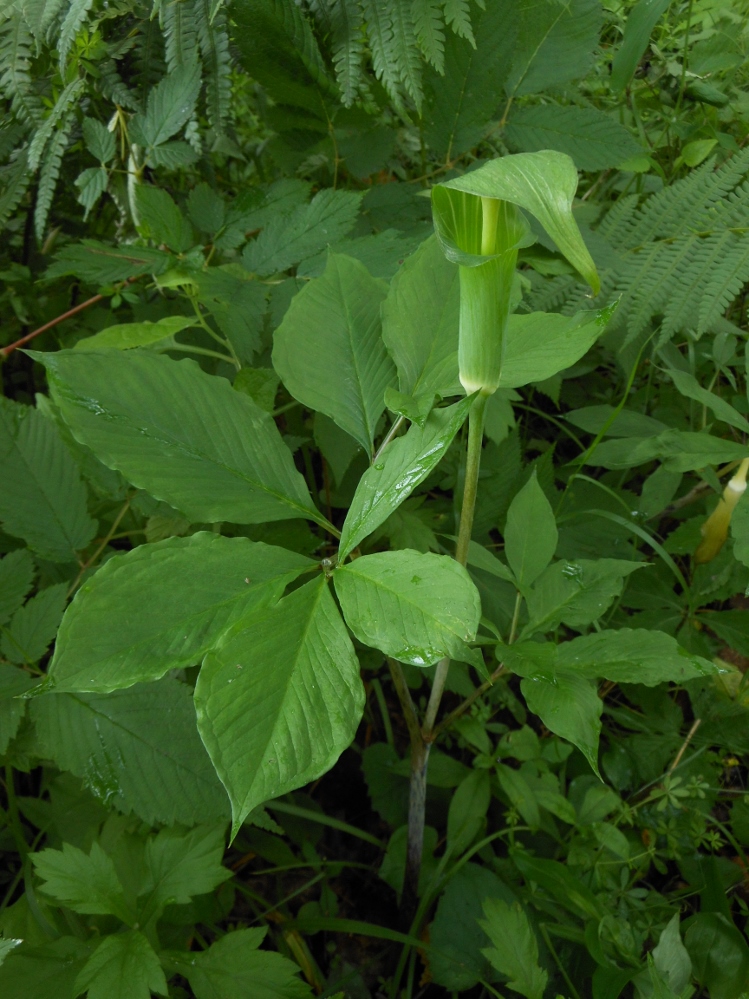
(232, 466)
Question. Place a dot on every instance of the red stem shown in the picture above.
(48, 326)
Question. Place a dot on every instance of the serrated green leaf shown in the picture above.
(307, 230)
(160, 220)
(405, 463)
(7, 945)
(417, 608)
(569, 706)
(34, 625)
(594, 140)
(100, 142)
(163, 606)
(100, 263)
(234, 966)
(92, 183)
(137, 750)
(170, 104)
(420, 322)
(13, 682)
(206, 209)
(279, 703)
(16, 577)
(42, 498)
(333, 324)
(530, 533)
(181, 865)
(123, 966)
(46, 972)
(185, 436)
(84, 882)
(514, 950)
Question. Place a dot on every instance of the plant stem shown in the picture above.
(422, 738)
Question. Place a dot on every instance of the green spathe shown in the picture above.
(481, 227)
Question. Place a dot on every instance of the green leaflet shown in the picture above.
(127, 335)
(514, 950)
(13, 682)
(575, 593)
(530, 533)
(33, 626)
(466, 817)
(46, 972)
(329, 350)
(420, 323)
(184, 436)
(569, 706)
(417, 608)
(170, 104)
(629, 655)
(689, 386)
(680, 451)
(163, 606)
(279, 702)
(123, 966)
(16, 576)
(84, 882)
(543, 184)
(137, 750)
(405, 463)
(538, 345)
(593, 139)
(234, 966)
(179, 866)
(42, 498)
(643, 17)
(160, 220)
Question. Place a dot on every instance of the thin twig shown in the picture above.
(110, 534)
(461, 709)
(690, 735)
(397, 424)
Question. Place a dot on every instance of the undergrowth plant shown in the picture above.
(373, 527)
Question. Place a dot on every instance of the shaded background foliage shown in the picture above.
(191, 164)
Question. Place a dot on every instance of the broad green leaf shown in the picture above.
(206, 208)
(42, 498)
(462, 101)
(643, 17)
(307, 230)
(234, 966)
(100, 142)
(84, 882)
(404, 464)
(629, 655)
(719, 953)
(466, 816)
(480, 558)
(279, 703)
(333, 325)
(237, 303)
(514, 950)
(556, 43)
(416, 409)
(530, 533)
(260, 384)
(137, 750)
(46, 972)
(186, 437)
(569, 706)
(625, 423)
(593, 139)
(100, 263)
(575, 593)
(456, 960)
(731, 625)
(538, 345)
(336, 446)
(123, 966)
(34, 625)
(420, 323)
(181, 865)
(672, 958)
(544, 184)
(127, 335)
(680, 451)
(92, 183)
(170, 104)
(160, 220)
(16, 577)
(561, 883)
(417, 608)
(163, 606)
(13, 683)
(689, 386)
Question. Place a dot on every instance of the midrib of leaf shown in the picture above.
(564, 10)
(355, 358)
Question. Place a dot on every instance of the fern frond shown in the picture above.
(406, 50)
(49, 175)
(213, 39)
(47, 127)
(40, 14)
(429, 24)
(75, 16)
(112, 86)
(395, 54)
(180, 34)
(16, 45)
(347, 28)
(458, 16)
(14, 180)
(726, 281)
(148, 55)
